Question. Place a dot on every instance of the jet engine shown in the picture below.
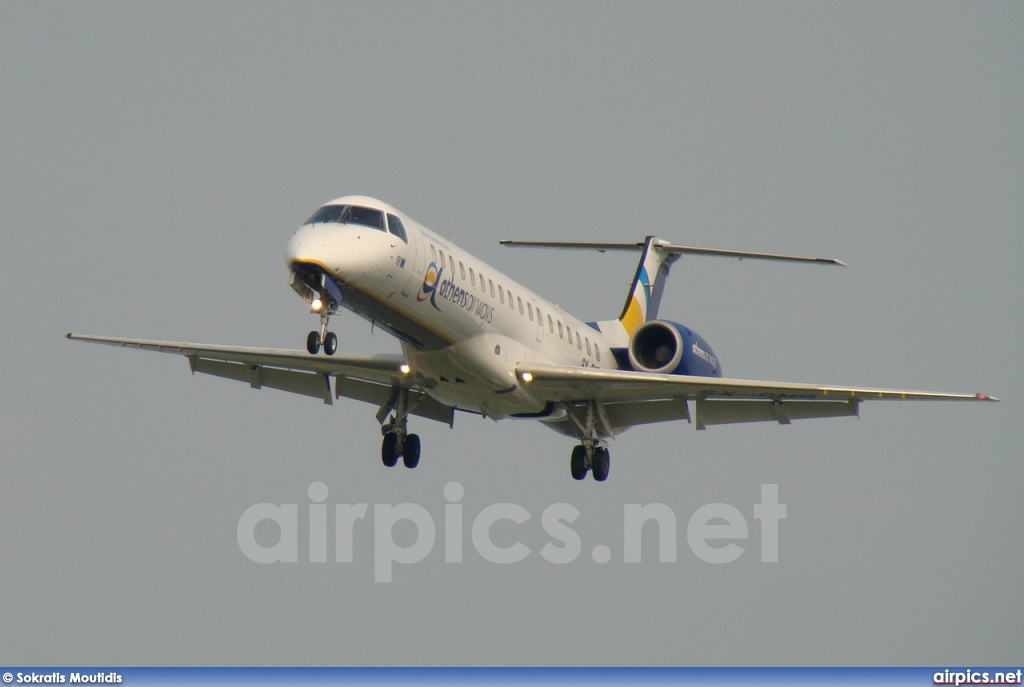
(670, 348)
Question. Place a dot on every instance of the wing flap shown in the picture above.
(314, 384)
(728, 411)
(633, 413)
(381, 394)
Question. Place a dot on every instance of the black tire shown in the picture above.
(602, 463)
(330, 343)
(313, 343)
(578, 462)
(389, 450)
(411, 450)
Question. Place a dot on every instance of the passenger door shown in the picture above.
(415, 263)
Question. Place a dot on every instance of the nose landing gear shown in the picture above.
(325, 298)
(315, 339)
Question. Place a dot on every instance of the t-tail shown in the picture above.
(648, 285)
(645, 293)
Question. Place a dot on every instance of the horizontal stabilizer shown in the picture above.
(670, 249)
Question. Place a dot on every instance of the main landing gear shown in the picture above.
(316, 339)
(397, 440)
(599, 461)
(396, 445)
(591, 455)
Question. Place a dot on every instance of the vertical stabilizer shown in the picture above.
(644, 295)
(648, 285)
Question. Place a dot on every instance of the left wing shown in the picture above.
(640, 397)
(368, 378)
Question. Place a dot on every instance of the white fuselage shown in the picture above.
(464, 325)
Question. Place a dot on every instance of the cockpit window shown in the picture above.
(328, 213)
(349, 214)
(368, 217)
(396, 227)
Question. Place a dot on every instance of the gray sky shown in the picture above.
(157, 156)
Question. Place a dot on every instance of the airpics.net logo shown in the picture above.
(715, 532)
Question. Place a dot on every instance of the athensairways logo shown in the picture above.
(429, 286)
(434, 285)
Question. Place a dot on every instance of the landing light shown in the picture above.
(317, 304)
(527, 377)
(404, 368)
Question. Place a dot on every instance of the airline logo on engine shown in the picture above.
(704, 355)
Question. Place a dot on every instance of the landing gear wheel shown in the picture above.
(313, 343)
(330, 343)
(578, 462)
(602, 461)
(411, 450)
(389, 450)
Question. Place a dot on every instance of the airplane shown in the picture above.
(476, 341)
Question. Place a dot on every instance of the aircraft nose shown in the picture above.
(303, 245)
(349, 252)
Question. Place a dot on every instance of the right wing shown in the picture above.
(630, 397)
(369, 378)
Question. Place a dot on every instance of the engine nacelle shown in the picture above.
(670, 348)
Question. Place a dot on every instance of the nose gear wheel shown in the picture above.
(327, 339)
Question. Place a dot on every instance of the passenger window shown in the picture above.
(462, 270)
(597, 349)
(442, 260)
(551, 325)
(451, 264)
(579, 344)
(587, 339)
(511, 305)
(433, 254)
(395, 227)
(472, 277)
(568, 331)
(501, 293)
(491, 284)
(561, 334)
(529, 309)
(520, 302)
